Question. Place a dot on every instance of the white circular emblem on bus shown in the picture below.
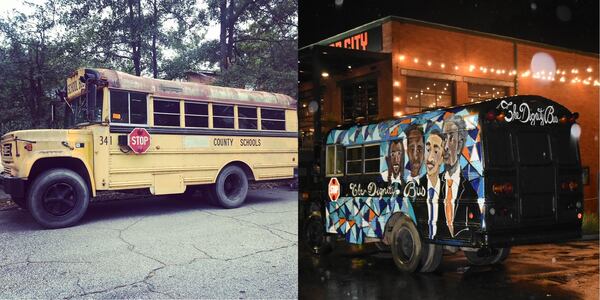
(333, 189)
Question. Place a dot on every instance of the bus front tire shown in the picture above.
(498, 256)
(58, 198)
(406, 245)
(231, 187)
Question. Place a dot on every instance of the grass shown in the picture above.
(590, 224)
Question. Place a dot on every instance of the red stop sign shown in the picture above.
(138, 140)
(333, 189)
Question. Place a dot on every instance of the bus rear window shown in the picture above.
(499, 147)
(533, 147)
(566, 148)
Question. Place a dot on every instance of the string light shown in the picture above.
(544, 75)
(397, 99)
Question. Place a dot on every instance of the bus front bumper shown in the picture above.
(13, 186)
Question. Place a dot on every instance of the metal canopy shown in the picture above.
(333, 60)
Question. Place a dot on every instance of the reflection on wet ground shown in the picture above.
(554, 271)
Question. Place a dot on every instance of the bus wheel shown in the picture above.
(406, 245)
(316, 239)
(432, 257)
(497, 255)
(231, 187)
(58, 198)
(502, 255)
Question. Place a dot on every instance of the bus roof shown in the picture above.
(190, 90)
(484, 105)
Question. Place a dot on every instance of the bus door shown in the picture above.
(536, 177)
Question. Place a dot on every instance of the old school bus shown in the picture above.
(480, 178)
(130, 133)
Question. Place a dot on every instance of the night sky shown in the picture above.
(566, 23)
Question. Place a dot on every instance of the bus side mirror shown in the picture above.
(91, 100)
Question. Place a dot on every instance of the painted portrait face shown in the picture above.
(396, 156)
(434, 148)
(415, 151)
(451, 144)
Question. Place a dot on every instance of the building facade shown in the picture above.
(396, 66)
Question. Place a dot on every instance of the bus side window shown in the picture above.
(139, 109)
(166, 112)
(196, 114)
(272, 119)
(339, 159)
(247, 117)
(128, 108)
(119, 107)
(223, 116)
(354, 162)
(372, 158)
(335, 160)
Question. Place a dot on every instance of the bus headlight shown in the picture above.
(575, 131)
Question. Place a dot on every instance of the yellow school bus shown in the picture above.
(130, 133)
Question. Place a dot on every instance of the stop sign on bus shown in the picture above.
(334, 189)
(138, 140)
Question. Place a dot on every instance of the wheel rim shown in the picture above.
(59, 199)
(405, 245)
(232, 186)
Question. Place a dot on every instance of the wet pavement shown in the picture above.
(550, 271)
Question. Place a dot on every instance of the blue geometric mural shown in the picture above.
(434, 157)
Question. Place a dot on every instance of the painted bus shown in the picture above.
(480, 177)
(128, 133)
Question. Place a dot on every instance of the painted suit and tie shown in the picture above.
(432, 180)
(454, 185)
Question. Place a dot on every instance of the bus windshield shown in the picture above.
(77, 114)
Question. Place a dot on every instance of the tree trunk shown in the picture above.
(134, 38)
(230, 27)
(223, 37)
(154, 33)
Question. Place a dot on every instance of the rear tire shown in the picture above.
(432, 257)
(406, 245)
(58, 198)
(231, 188)
(499, 255)
(502, 255)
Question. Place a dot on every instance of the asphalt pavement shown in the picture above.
(550, 271)
(156, 247)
